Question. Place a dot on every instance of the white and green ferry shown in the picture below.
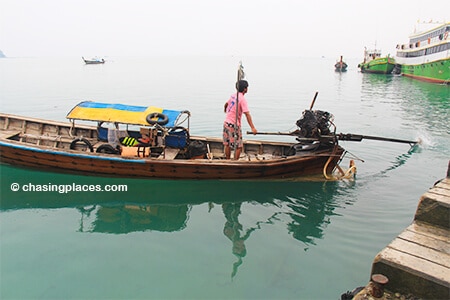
(427, 55)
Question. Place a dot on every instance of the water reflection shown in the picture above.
(376, 89)
(233, 230)
(425, 104)
(435, 93)
(374, 81)
(304, 209)
(130, 218)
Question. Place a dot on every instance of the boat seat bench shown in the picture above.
(56, 138)
(6, 134)
(169, 153)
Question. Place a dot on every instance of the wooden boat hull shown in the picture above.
(34, 147)
(103, 164)
(340, 67)
(93, 61)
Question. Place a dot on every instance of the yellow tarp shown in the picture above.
(118, 113)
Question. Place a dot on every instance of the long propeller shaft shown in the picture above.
(342, 137)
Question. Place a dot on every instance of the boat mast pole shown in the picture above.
(314, 101)
(240, 76)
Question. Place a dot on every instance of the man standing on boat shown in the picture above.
(232, 132)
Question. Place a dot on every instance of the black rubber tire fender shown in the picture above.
(82, 140)
(163, 119)
(107, 149)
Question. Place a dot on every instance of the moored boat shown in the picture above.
(427, 55)
(374, 63)
(93, 61)
(340, 65)
(169, 151)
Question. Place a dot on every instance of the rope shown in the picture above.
(348, 174)
(326, 166)
(72, 125)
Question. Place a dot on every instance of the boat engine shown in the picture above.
(314, 124)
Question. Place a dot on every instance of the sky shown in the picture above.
(108, 28)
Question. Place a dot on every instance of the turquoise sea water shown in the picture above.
(171, 239)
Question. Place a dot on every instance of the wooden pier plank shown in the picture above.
(439, 233)
(418, 260)
(438, 195)
(430, 238)
(420, 249)
(439, 191)
(445, 184)
(411, 274)
(434, 207)
(414, 265)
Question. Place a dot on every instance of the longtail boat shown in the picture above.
(93, 61)
(340, 65)
(164, 148)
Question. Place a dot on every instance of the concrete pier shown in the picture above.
(417, 262)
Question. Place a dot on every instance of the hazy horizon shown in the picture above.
(114, 28)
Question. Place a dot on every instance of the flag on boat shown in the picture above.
(241, 74)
